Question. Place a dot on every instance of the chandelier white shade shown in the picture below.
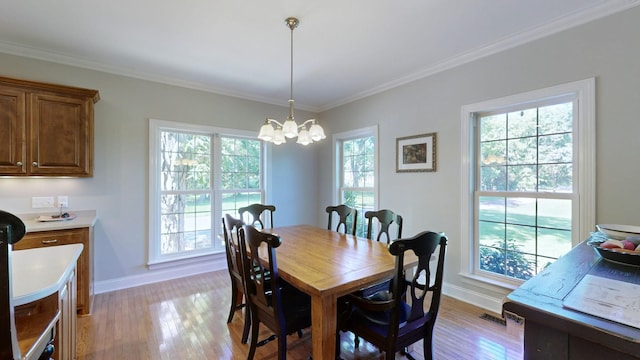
(277, 132)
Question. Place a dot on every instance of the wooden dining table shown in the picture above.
(326, 265)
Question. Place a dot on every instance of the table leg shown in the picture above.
(323, 326)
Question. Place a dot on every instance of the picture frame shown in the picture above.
(416, 153)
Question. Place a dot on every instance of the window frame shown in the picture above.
(155, 259)
(583, 213)
(338, 167)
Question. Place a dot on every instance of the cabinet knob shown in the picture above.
(35, 163)
(19, 163)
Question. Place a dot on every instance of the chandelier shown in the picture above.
(277, 132)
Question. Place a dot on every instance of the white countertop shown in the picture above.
(37, 273)
(84, 218)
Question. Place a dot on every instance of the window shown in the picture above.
(530, 179)
(197, 175)
(357, 172)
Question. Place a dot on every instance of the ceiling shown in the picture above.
(343, 50)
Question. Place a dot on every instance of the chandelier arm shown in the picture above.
(274, 121)
(312, 121)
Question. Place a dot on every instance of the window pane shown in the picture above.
(521, 211)
(556, 119)
(554, 213)
(491, 208)
(522, 123)
(493, 178)
(553, 243)
(492, 234)
(556, 178)
(522, 178)
(556, 148)
(493, 127)
(522, 151)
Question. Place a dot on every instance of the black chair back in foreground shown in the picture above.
(274, 303)
(230, 226)
(386, 319)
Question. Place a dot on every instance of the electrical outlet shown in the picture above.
(63, 201)
(42, 202)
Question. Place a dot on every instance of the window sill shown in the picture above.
(489, 283)
(182, 261)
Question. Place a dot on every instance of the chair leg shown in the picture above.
(427, 348)
(247, 324)
(255, 326)
(234, 301)
(282, 347)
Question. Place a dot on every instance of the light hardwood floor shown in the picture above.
(186, 319)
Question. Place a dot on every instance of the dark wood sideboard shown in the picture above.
(552, 331)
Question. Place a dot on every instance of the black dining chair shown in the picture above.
(386, 319)
(274, 303)
(256, 211)
(231, 225)
(345, 214)
(385, 218)
(12, 229)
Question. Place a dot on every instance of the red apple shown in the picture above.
(628, 245)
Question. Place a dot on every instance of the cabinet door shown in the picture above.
(67, 325)
(61, 135)
(13, 135)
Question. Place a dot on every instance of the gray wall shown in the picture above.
(607, 49)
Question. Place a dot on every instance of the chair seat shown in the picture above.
(381, 319)
(373, 289)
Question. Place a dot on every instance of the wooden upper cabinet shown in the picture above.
(50, 129)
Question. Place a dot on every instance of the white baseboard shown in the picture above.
(158, 275)
(475, 298)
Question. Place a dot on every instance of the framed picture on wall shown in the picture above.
(416, 153)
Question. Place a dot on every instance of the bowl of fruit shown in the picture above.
(616, 248)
